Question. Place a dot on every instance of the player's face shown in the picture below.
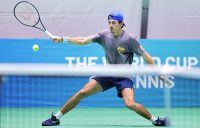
(115, 26)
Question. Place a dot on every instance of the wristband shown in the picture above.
(65, 39)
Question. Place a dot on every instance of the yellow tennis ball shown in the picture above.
(35, 47)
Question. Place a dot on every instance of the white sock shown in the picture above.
(153, 119)
(58, 115)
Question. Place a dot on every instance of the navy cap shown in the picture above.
(116, 16)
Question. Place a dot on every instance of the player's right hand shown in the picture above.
(57, 39)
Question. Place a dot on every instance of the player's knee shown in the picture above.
(82, 93)
(131, 105)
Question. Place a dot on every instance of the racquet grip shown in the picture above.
(49, 34)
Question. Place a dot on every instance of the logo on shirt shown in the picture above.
(121, 50)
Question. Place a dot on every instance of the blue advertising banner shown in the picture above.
(177, 52)
(35, 91)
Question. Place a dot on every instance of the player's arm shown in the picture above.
(149, 60)
(80, 40)
(73, 40)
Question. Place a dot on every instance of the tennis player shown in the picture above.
(120, 47)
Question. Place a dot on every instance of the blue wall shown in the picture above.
(35, 91)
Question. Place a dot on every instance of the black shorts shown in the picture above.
(118, 82)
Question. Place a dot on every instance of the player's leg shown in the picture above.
(90, 88)
(128, 96)
(96, 84)
(125, 90)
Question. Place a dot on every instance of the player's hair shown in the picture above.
(122, 23)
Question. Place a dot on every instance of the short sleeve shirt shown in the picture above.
(118, 50)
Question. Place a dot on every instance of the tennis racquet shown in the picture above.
(28, 15)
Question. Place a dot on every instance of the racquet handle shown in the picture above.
(52, 36)
(49, 34)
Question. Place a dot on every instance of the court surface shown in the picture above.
(96, 118)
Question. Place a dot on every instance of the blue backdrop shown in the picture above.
(36, 91)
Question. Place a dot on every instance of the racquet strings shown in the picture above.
(27, 14)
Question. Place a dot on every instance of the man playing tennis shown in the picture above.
(119, 48)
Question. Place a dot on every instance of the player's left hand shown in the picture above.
(166, 80)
